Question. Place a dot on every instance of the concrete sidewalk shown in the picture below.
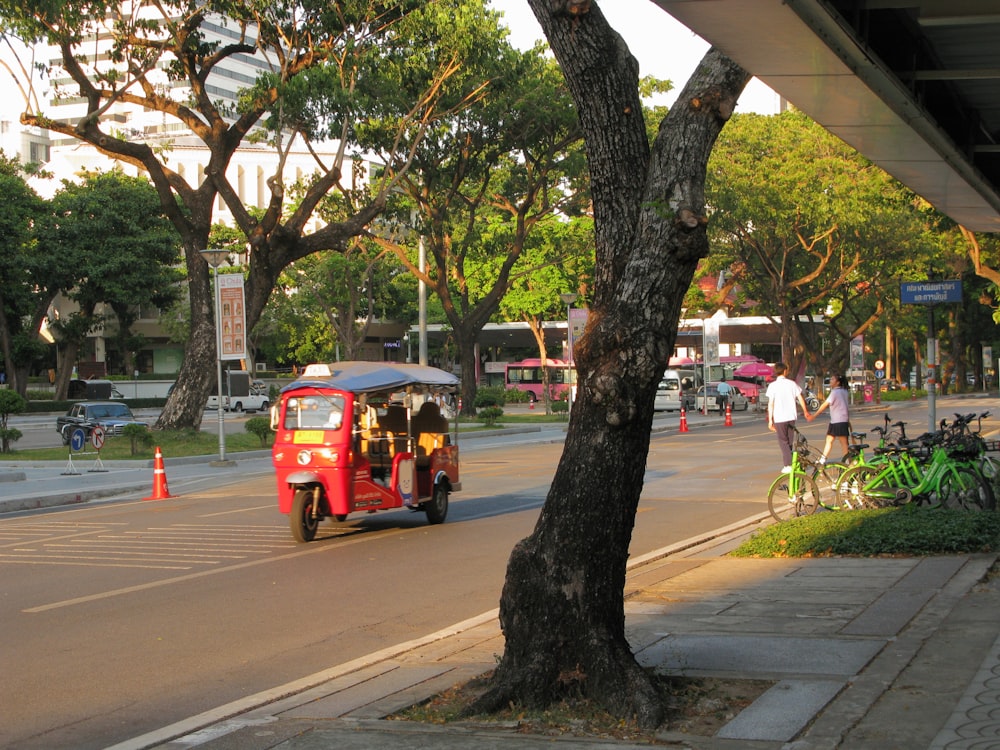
(862, 653)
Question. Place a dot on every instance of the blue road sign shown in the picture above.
(930, 292)
(78, 439)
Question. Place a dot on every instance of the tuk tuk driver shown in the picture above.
(334, 418)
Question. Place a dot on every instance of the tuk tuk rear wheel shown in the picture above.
(301, 520)
(437, 507)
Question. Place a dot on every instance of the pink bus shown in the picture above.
(527, 376)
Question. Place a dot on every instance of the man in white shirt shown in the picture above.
(782, 394)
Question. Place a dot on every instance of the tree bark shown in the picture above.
(562, 606)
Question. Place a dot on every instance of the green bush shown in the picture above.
(40, 395)
(11, 402)
(492, 395)
(261, 427)
(516, 396)
(139, 437)
(489, 415)
(559, 407)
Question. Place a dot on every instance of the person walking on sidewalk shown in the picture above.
(782, 394)
(723, 389)
(840, 421)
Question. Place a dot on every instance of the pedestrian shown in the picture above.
(782, 394)
(723, 389)
(840, 423)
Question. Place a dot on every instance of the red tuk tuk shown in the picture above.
(369, 436)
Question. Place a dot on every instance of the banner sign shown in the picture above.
(930, 292)
(858, 353)
(712, 342)
(232, 313)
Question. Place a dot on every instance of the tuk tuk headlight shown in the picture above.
(304, 458)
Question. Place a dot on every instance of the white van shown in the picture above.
(677, 388)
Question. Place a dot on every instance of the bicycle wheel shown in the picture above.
(964, 489)
(827, 477)
(861, 487)
(784, 504)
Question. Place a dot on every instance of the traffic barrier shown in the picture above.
(684, 420)
(160, 491)
(729, 415)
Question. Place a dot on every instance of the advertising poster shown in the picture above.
(711, 342)
(858, 353)
(232, 336)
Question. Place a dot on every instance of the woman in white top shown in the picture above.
(840, 423)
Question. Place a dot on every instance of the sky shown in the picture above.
(664, 47)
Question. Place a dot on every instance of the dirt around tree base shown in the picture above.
(694, 705)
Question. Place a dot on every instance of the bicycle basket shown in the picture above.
(966, 446)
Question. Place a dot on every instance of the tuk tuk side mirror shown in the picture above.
(275, 408)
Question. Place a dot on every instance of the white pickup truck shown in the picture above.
(243, 394)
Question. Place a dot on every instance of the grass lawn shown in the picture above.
(905, 531)
(173, 444)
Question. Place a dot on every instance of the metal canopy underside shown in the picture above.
(913, 85)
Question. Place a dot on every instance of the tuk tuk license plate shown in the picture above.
(308, 436)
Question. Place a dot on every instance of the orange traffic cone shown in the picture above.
(684, 420)
(160, 491)
(729, 415)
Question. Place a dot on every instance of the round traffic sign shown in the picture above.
(77, 439)
(880, 374)
(879, 364)
(97, 437)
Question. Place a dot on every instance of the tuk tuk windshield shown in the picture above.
(319, 412)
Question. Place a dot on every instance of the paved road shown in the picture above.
(149, 612)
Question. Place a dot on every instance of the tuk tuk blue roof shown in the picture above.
(373, 377)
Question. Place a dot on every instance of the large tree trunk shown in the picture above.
(186, 405)
(562, 607)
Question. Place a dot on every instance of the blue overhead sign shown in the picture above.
(930, 292)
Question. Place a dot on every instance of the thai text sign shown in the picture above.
(930, 292)
(232, 337)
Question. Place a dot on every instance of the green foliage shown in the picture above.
(261, 427)
(559, 406)
(138, 436)
(515, 396)
(489, 415)
(112, 232)
(11, 402)
(908, 530)
(9, 435)
(494, 395)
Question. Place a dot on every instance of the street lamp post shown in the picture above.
(704, 361)
(214, 258)
(569, 298)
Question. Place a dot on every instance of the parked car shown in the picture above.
(737, 401)
(111, 416)
(92, 389)
(674, 391)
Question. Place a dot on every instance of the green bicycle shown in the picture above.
(932, 478)
(809, 485)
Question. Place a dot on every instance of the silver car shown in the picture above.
(737, 401)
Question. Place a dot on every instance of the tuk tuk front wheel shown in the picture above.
(302, 520)
(437, 507)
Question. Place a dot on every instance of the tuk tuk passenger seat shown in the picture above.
(431, 430)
